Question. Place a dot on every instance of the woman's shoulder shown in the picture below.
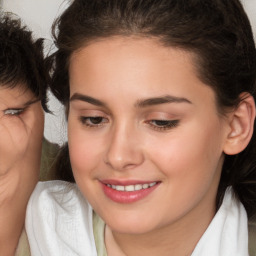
(59, 220)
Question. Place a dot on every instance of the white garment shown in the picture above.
(227, 234)
(59, 223)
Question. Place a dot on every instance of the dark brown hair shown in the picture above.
(22, 59)
(216, 31)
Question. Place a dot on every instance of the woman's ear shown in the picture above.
(241, 122)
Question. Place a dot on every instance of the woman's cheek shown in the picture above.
(81, 150)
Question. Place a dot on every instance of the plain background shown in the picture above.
(38, 15)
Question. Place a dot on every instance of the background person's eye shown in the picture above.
(13, 111)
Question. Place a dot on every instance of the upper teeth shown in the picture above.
(132, 187)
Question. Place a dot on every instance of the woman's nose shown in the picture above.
(124, 149)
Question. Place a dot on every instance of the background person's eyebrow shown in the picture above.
(161, 100)
(31, 102)
(82, 97)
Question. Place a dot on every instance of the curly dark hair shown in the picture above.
(22, 59)
(218, 32)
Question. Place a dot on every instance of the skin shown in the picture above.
(127, 144)
(20, 151)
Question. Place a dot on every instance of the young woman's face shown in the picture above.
(145, 138)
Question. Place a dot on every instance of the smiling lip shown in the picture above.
(128, 191)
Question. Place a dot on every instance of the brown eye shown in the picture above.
(93, 121)
(163, 124)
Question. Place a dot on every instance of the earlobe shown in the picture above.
(241, 125)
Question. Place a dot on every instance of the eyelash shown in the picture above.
(98, 121)
(14, 111)
(162, 125)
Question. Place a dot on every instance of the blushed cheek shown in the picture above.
(170, 154)
(188, 155)
(77, 155)
(81, 154)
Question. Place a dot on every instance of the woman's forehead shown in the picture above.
(135, 68)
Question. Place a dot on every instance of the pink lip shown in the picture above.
(125, 197)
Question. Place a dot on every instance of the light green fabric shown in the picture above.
(98, 231)
(23, 246)
(49, 153)
(252, 236)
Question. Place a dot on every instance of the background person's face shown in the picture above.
(21, 132)
(141, 120)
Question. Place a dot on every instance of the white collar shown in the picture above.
(227, 234)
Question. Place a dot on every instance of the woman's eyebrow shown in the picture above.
(161, 100)
(83, 97)
(140, 103)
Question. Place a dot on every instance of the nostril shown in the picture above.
(123, 151)
(126, 161)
